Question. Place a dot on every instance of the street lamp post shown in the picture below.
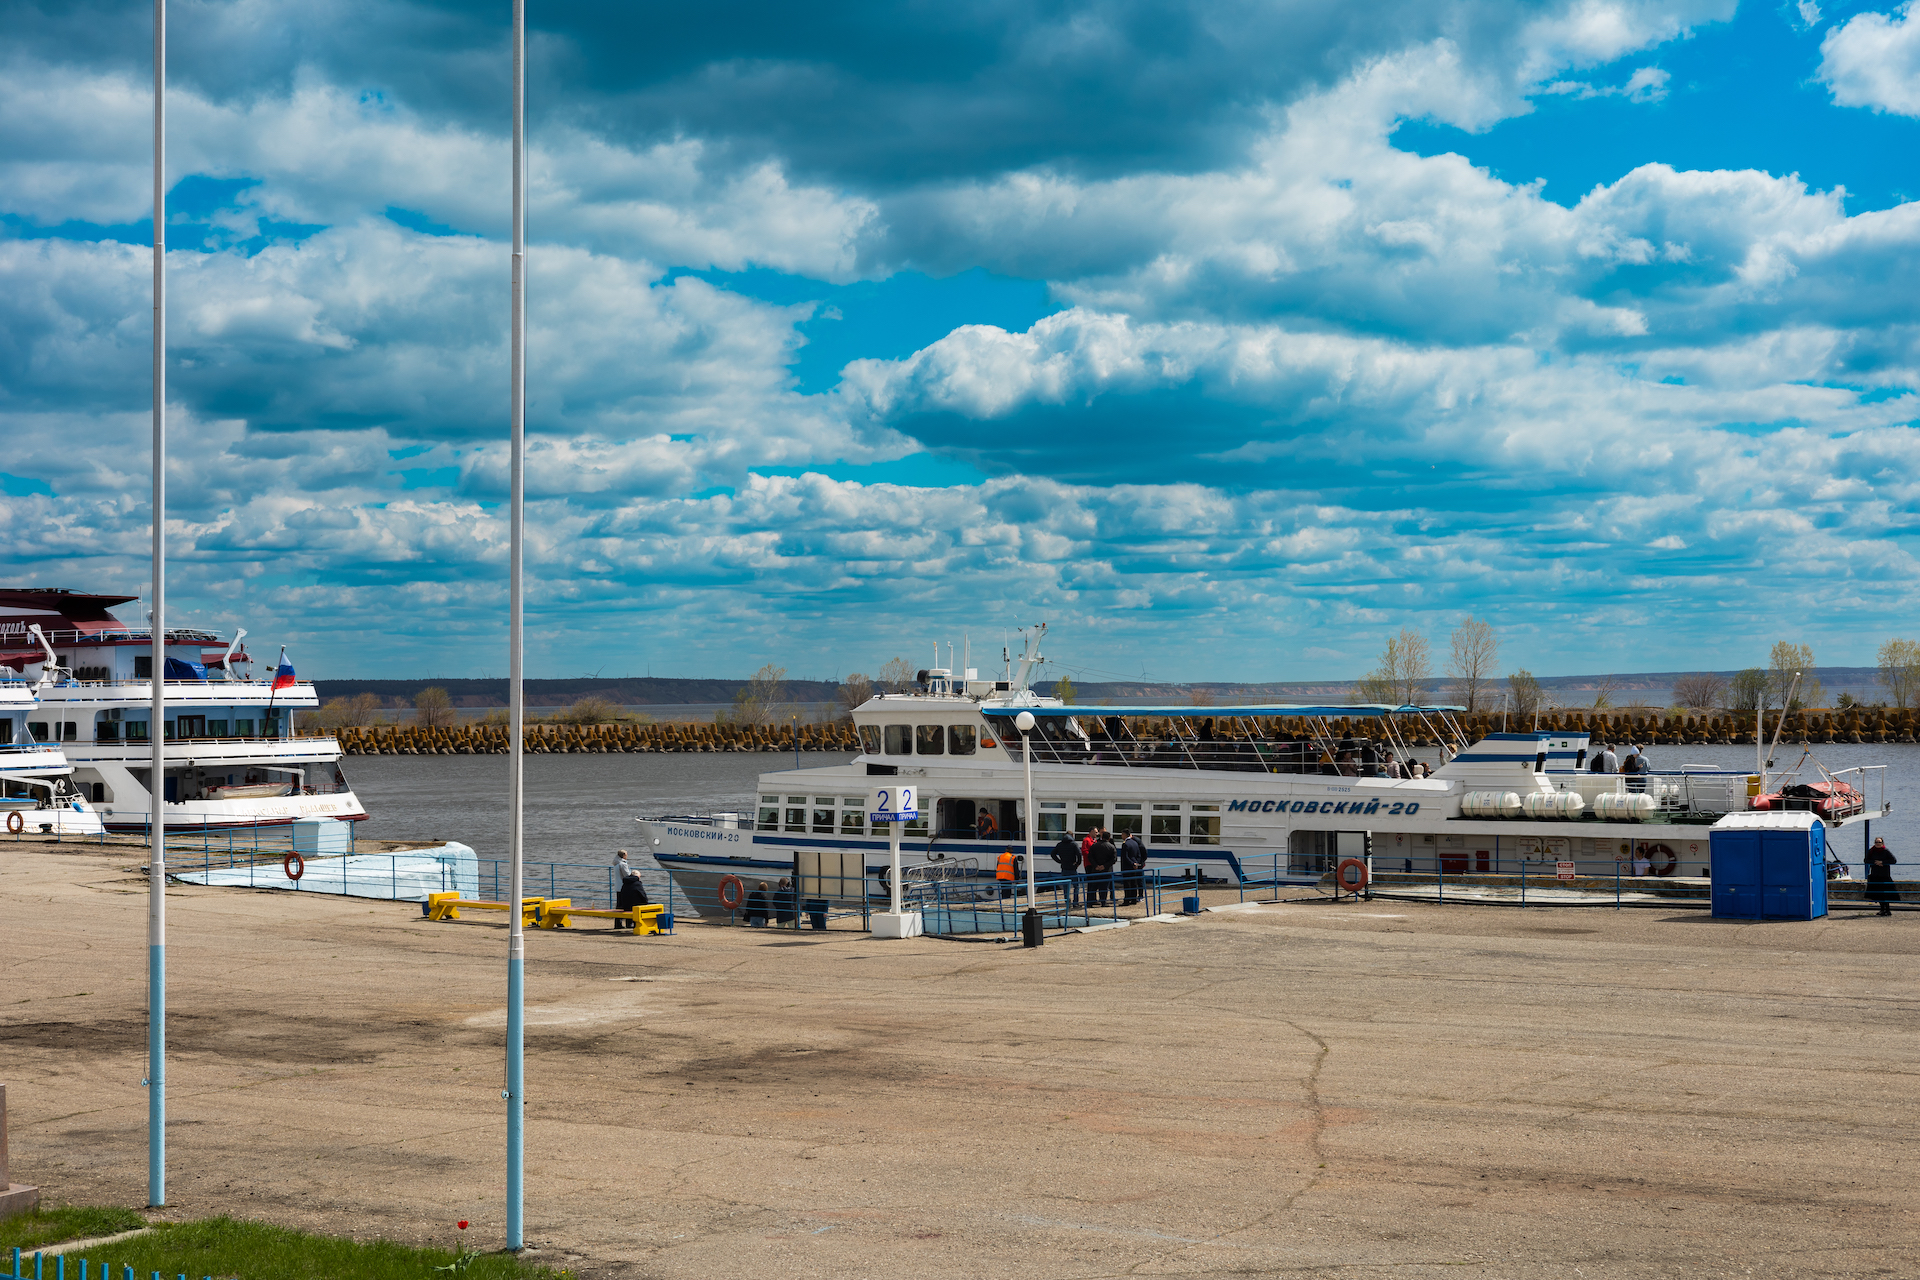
(1031, 933)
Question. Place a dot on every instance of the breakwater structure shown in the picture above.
(1641, 727)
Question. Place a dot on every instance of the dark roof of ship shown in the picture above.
(77, 605)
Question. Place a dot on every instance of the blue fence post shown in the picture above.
(1523, 882)
(1616, 884)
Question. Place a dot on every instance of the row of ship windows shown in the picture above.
(136, 730)
(1158, 823)
(919, 739)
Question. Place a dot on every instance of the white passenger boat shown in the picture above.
(231, 757)
(37, 793)
(1229, 792)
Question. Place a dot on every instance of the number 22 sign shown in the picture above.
(893, 804)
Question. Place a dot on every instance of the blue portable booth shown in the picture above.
(1769, 866)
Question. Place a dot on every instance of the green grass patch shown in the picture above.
(42, 1227)
(226, 1247)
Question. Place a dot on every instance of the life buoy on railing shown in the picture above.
(732, 892)
(294, 865)
(15, 823)
(1660, 869)
(1351, 875)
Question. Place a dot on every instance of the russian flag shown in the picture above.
(283, 675)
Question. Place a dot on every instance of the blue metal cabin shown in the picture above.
(1769, 866)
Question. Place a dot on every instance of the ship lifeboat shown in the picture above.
(1831, 800)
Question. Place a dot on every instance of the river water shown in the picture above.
(580, 808)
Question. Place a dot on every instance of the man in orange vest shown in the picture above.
(1004, 873)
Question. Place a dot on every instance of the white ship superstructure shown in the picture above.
(37, 792)
(1226, 791)
(231, 757)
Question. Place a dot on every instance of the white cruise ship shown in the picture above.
(37, 792)
(1224, 791)
(231, 757)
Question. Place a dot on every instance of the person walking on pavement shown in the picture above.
(1133, 857)
(631, 893)
(1066, 855)
(1880, 863)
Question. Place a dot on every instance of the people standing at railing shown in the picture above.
(1066, 855)
(631, 893)
(1635, 769)
(1133, 858)
(1880, 863)
(1610, 761)
(1599, 762)
(786, 908)
(757, 906)
(1100, 863)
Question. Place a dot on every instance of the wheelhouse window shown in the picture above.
(823, 811)
(930, 740)
(899, 739)
(870, 739)
(1203, 824)
(960, 741)
(1164, 824)
(797, 814)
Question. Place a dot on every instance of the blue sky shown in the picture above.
(1227, 337)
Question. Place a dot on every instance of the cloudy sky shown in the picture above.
(1228, 337)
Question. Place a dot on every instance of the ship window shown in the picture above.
(769, 815)
(1203, 829)
(960, 739)
(854, 802)
(1053, 804)
(918, 827)
(930, 740)
(1166, 827)
(1126, 824)
(37, 730)
(796, 819)
(853, 822)
(243, 728)
(769, 799)
(899, 739)
(106, 731)
(796, 799)
(70, 731)
(143, 666)
(870, 739)
(1127, 807)
(823, 820)
(1052, 827)
(136, 730)
(1085, 822)
(216, 728)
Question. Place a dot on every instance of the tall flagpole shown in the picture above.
(516, 776)
(156, 729)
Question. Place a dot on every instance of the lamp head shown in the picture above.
(1024, 722)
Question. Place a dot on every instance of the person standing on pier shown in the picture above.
(1880, 862)
(1133, 858)
(1100, 860)
(1066, 855)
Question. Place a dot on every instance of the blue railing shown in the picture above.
(99, 1270)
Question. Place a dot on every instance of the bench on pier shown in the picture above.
(559, 912)
(447, 906)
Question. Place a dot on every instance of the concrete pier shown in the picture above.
(1369, 1088)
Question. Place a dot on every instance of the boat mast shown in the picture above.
(156, 732)
(516, 774)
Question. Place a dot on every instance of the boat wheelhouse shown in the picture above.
(231, 755)
(1279, 792)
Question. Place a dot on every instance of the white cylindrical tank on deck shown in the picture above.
(1540, 804)
(1569, 804)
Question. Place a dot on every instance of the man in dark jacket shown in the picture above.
(1100, 861)
(1067, 855)
(1880, 864)
(758, 906)
(1133, 857)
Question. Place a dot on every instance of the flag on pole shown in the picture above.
(283, 674)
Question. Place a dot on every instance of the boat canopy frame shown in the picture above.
(1228, 739)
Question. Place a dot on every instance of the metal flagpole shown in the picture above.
(156, 731)
(516, 933)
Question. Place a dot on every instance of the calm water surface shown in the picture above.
(580, 808)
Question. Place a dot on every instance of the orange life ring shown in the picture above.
(732, 900)
(1350, 875)
(15, 823)
(1665, 869)
(294, 865)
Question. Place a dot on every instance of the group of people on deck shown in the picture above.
(1093, 866)
(1634, 765)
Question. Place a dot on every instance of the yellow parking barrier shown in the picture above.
(446, 906)
(558, 913)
